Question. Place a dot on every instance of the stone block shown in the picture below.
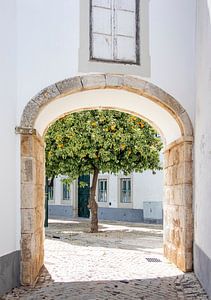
(40, 196)
(184, 173)
(40, 173)
(186, 238)
(186, 152)
(183, 195)
(27, 247)
(184, 261)
(46, 95)
(39, 151)
(169, 194)
(30, 113)
(39, 217)
(134, 83)
(174, 156)
(93, 81)
(187, 126)
(28, 220)
(28, 195)
(186, 217)
(163, 98)
(70, 85)
(166, 159)
(28, 172)
(113, 80)
(26, 273)
(27, 146)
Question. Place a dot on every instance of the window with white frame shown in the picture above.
(102, 190)
(114, 30)
(65, 191)
(125, 190)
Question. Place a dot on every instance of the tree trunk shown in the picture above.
(92, 202)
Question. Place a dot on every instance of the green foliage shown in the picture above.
(108, 140)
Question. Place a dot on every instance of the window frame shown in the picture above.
(85, 65)
(104, 180)
(126, 179)
(137, 39)
(125, 204)
(64, 199)
(51, 201)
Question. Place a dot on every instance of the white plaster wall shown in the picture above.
(9, 198)
(203, 145)
(112, 188)
(117, 99)
(147, 187)
(48, 41)
(57, 191)
(172, 49)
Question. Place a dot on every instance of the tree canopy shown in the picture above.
(94, 141)
(109, 140)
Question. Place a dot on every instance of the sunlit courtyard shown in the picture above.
(122, 261)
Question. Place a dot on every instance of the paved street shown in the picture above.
(122, 261)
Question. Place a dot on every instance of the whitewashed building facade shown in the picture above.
(125, 55)
(135, 198)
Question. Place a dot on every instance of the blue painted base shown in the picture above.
(9, 271)
(105, 213)
(202, 268)
(121, 214)
(60, 211)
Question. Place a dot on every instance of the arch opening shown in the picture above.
(105, 91)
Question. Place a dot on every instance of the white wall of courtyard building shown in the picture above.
(44, 42)
(137, 197)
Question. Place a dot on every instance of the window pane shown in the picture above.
(101, 20)
(125, 196)
(102, 46)
(66, 192)
(50, 192)
(123, 52)
(101, 3)
(102, 190)
(126, 4)
(113, 35)
(125, 23)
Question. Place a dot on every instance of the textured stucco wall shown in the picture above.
(202, 254)
(9, 197)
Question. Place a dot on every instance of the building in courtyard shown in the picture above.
(137, 197)
(149, 58)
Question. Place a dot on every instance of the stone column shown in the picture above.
(178, 214)
(32, 207)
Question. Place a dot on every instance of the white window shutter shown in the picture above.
(125, 30)
(101, 29)
(101, 46)
(125, 23)
(113, 35)
(123, 52)
(126, 5)
(101, 3)
(101, 20)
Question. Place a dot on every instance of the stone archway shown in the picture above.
(178, 216)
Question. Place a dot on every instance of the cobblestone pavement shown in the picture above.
(122, 261)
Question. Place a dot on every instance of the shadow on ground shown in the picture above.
(175, 287)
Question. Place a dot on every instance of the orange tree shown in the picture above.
(96, 141)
